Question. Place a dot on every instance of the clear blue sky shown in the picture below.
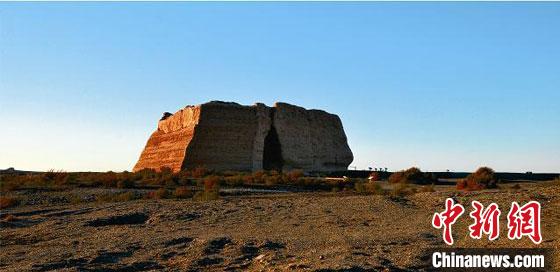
(434, 85)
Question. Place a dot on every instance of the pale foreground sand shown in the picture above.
(296, 231)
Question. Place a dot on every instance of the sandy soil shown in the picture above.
(297, 231)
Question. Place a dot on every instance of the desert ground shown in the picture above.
(297, 231)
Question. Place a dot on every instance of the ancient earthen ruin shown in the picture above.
(228, 136)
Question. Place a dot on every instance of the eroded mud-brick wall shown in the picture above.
(229, 136)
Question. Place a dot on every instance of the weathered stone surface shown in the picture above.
(229, 136)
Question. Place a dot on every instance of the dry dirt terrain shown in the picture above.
(293, 231)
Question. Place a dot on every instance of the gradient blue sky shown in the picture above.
(434, 85)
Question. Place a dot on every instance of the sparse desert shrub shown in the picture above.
(183, 177)
(230, 173)
(146, 174)
(115, 197)
(368, 188)
(309, 182)
(272, 180)
(160, 193)
(258, 176)
(126, 196)
(373, 188)
(9, 184)
(211, 189)
(166, 177)
(125, 183)
(88, 179)
(412, 175)
(104, 198)
(248, 179)
(294, 175)
(374, 176)
(428, 188)
(10, 218)
(75, 199)
(182, 192)
(206, 195)
(211, 182)
(402, 189)
(516, 187)
(56, 177)
(165, 170)
(199, 172)
(335, 183)
(359, 187)
(108, 179)
(483, 178)
(7, 202)
(169, 181)
(234, 180)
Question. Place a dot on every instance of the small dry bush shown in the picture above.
(127, 196)
(234, 180)
(209, 193)
(146, 174)
(182, 192)
(108, 179)
(11, 183)
(272, 180)
(258, 176)
(248, 179)
(211, 189)
(374, 176)
(10, 218)
(402, 189)
(516, 187)
(7, 202)
(211, 182)
(116, 197)
(165, 170)
(428, 188)
(58, 178)
(229, 173)
(294, 175)
(167, 178)
(199, 172)
(125, 183)
(160, 193)
(373, 188)
(206, 196)
(359, 187)
(412, 175)
(310, 182)
(483, 178)
(184, 177)
(75, 199)
(368, 188)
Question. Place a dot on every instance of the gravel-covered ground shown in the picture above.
(294, 231)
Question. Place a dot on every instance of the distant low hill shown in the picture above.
(11, 170)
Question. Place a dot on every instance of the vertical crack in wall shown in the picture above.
(272, 154)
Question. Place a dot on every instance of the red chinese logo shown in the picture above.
(447, 218)
(525, 221)
(485, 221)
(522, 221)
